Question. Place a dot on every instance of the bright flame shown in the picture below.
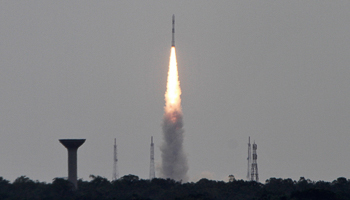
(173, 91)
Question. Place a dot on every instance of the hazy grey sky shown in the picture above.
(277, 71)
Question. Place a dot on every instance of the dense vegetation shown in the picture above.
(131, 187)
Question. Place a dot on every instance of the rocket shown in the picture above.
(173, 40)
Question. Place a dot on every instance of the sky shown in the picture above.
(277, 71)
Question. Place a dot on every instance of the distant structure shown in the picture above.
(115, 161)
(152, 173)
(254, 172)
(249, 160)
(72, 146)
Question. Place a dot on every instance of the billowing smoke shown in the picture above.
(174, 161)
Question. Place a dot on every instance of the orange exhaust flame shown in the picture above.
(173, 92)
(174, 160)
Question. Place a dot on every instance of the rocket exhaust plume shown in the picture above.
(174, 161)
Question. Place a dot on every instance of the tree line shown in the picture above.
(132, 187)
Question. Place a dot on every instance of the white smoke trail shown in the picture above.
(174, 161)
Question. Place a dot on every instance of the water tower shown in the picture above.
(72, 146)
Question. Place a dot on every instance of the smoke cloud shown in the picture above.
(174, 160)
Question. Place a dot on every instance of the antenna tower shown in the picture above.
(254, 173)
(249, 160)
(152, 173)
(115, 160)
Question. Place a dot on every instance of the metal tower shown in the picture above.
(115, 160)
(152, 173)
(249, 159)
(254, 173)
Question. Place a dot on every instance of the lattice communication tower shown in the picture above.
(254, 172)
(249, 160)
(152, 173)
(115, 161)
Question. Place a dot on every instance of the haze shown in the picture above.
(277, 71)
